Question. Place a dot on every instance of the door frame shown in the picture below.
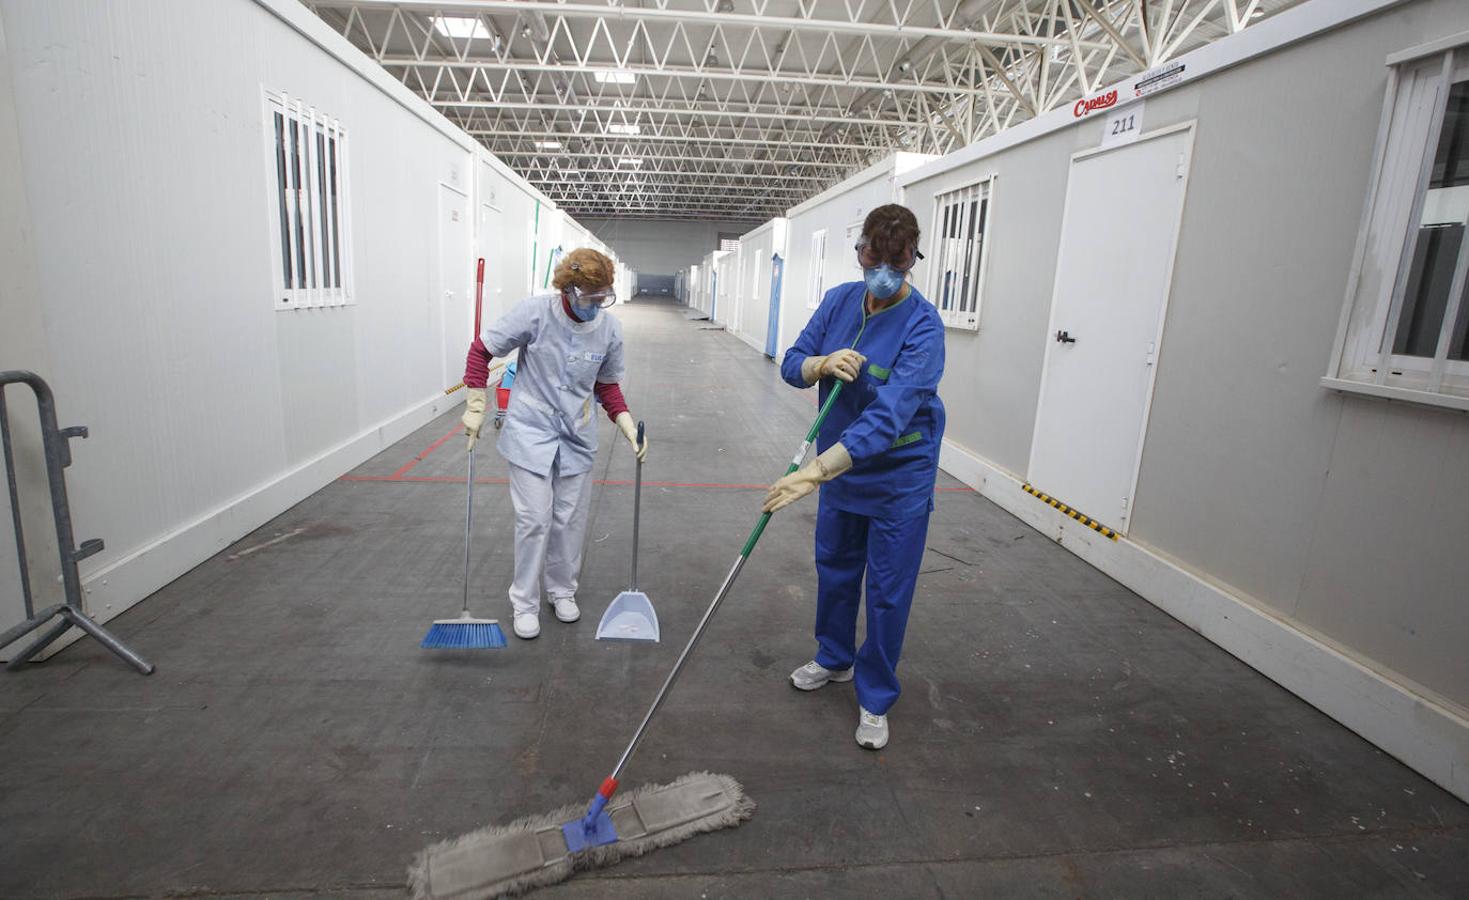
(469, 248)
(1189, 126)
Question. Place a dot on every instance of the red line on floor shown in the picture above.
(420, 457)
(450, 479)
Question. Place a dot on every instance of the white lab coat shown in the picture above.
(550, 437)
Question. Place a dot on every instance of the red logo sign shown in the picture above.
(1102, 101)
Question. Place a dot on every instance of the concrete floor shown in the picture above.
(1058, 736)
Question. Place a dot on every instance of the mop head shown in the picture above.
(507, 860)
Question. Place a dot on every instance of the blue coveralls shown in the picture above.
(873, 520)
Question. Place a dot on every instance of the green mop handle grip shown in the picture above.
(831, 399)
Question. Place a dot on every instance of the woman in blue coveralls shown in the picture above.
(878, 461)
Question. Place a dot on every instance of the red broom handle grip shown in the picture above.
(479, 295)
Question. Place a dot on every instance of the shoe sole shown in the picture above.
(816, 687)
(872, 746)
(574, 618)
(527, 637)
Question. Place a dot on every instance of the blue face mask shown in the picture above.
(883, 281)
(584, 313)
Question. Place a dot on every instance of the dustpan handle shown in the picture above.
(637, 509)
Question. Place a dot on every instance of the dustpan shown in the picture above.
(630, 617)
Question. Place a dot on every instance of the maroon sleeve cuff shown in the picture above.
(477, 365)
(610, 396)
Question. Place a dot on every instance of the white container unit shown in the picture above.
(724, 295)
(821, 235)
(761, 264)
(330, 340)
(1140, 313)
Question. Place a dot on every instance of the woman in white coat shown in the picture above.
(570, 358)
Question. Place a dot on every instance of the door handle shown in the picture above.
(1065, 337)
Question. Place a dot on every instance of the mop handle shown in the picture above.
(468, 520)
(637, 509)
(610, 785)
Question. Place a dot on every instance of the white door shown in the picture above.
(456, 280)
(1123, 207)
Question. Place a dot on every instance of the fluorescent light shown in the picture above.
(548, 145)
(624, 129)
(630, 161)
(461, 27)
(615, 76)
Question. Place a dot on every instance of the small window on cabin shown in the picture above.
(1406, 323)
(311, 228)
(818, 269)
(960, 226)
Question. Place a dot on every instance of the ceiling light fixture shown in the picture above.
(548, 145)
(461, 27)
(630, 161)
(615, 76)
(624, 129)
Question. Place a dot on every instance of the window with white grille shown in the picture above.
(311, 247)
(960, 226)
(818, 269)
(1405, 327)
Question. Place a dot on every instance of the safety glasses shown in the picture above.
(604, 298)
(869, 258)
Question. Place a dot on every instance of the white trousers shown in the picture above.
(550, 523)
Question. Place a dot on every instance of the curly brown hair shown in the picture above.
(891, 230)
(587, 269)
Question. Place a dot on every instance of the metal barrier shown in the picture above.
(58, 457)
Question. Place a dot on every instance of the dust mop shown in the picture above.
(505, 860)
(465, 632)
(630, 616)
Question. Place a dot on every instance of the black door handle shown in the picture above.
(1065, 337)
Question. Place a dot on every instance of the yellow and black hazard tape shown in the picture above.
(1089, 522)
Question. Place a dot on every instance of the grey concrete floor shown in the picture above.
(1058, 736)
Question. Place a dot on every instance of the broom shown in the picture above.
(467, 632)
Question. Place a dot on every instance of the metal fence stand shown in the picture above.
(58, 457)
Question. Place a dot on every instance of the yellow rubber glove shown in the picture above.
(474, 414)
(629, 430)
(843, 364)
(808, 478)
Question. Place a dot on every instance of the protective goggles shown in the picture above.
(869, 258)
(602, 299)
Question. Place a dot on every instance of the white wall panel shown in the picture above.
(141, 138)
(1341, 517)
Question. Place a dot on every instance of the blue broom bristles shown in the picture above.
(464, 635)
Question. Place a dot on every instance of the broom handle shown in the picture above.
(637, 510)
(729, 580)
(468, 520)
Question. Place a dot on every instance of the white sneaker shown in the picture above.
(566, 609)
(814, 675)
(872, 731)
(527, 625)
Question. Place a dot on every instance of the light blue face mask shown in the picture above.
(584, 313)
(883, 281)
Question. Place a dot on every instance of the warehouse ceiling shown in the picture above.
(740, 109)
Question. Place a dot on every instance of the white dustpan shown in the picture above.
(630, 617)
